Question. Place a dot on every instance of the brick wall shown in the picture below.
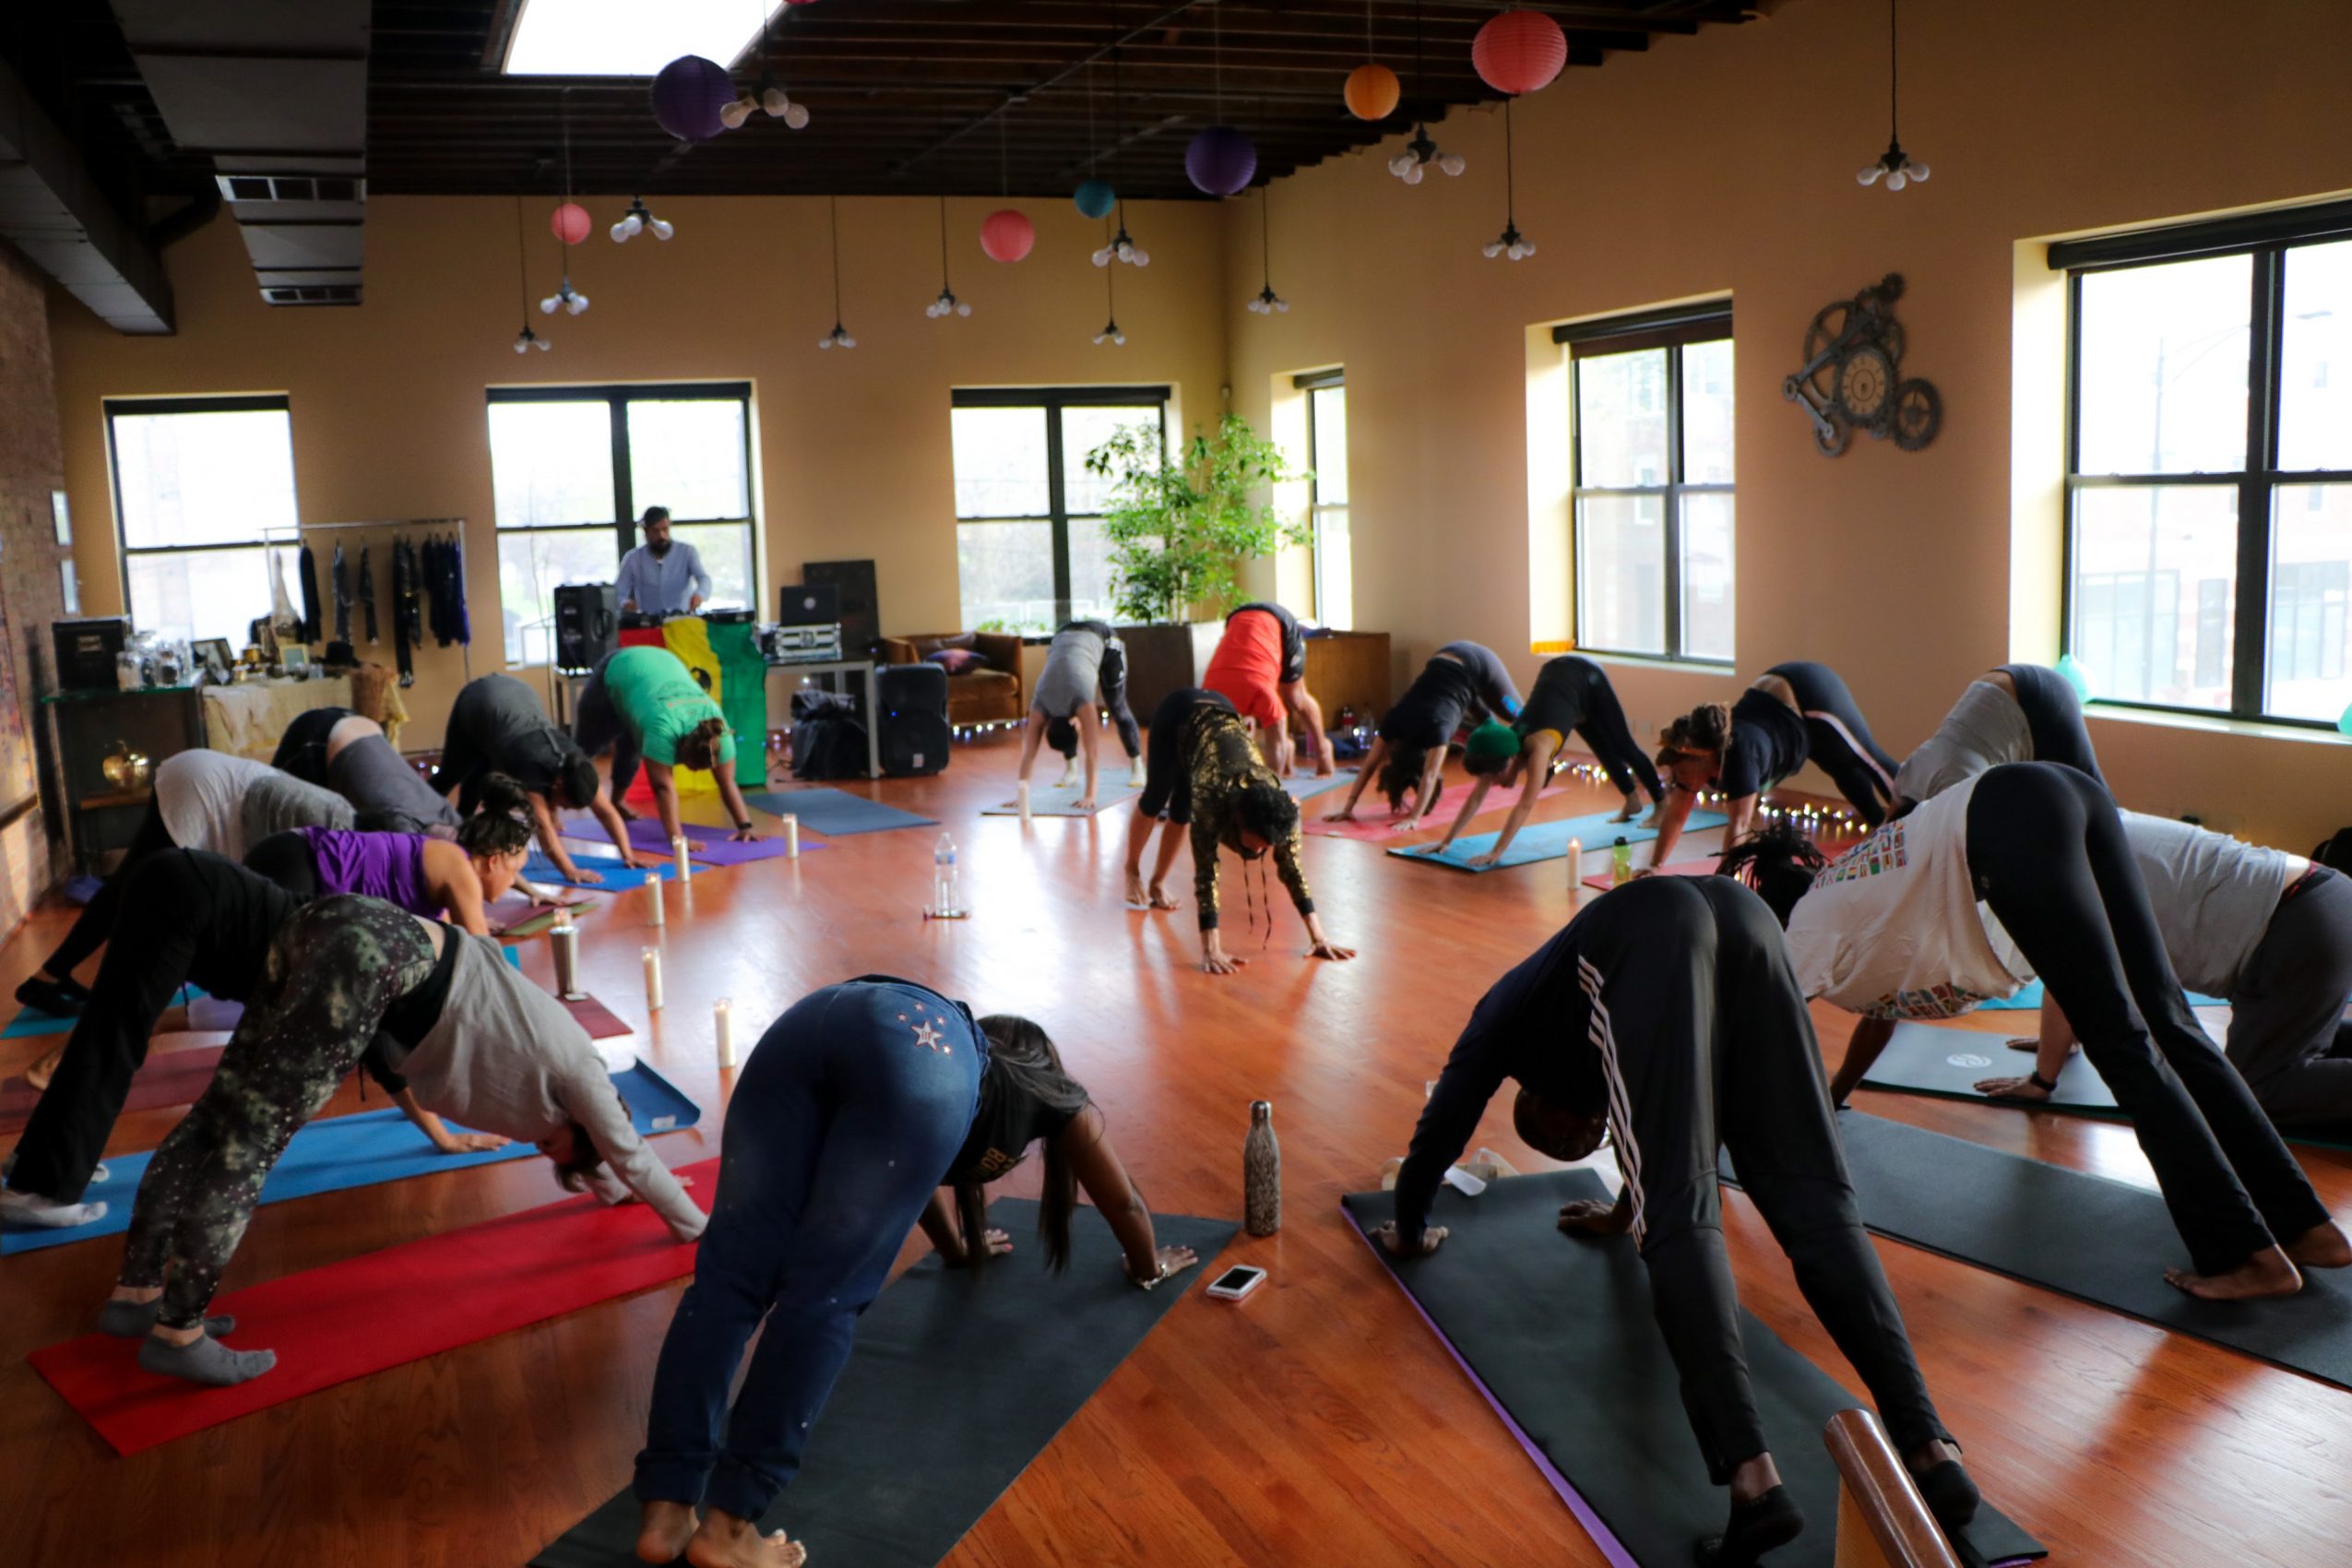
(32, 592)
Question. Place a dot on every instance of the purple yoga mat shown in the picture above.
(710, 846)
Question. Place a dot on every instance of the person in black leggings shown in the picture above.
(1795, 713)
(1571, 695)
(2044, 848)
(1463, 684)
(1665, 1014)
(2017, 713)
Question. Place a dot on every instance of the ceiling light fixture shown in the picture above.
(947, 303)
(1095, 196)
(768, 98)
(1111, 333)
(836, 338)
(1220, 160)
(561, 222)
(637, 220)
(1005, 234)
(1120, 247)
(1412, 163)
(1267, 301)
(1510, 242)
(527, 340)
(1898, 167)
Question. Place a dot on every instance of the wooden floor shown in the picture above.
(1318, 1424)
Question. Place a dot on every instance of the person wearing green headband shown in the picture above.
(1571, 695)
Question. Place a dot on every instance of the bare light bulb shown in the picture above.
(548, 304)
(1413, 175)
(825, 341)
(1895, 182)
(963, 308)
(1453, 163)
(1102, 256)
(1917, 172)
(775, 102)
(664, 229)
(576, 304)
(734, 116)
(1868, 173)
(628, 226)
(796, 116)
(1139, 255)
(1491, 249)
(1402, 161)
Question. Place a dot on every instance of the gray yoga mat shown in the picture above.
(835, 813)
(2100, 1240)
(1557, 1333)
(1948, 1064)
(954, 1385)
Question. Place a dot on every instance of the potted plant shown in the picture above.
(1180, 524)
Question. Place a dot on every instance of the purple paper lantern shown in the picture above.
(1221, 160)
(688, 95)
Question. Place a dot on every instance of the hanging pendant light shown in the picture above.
(1898, 167)
(767, 98)
(527, 340)
(1373, 88)
(1111, 333)
(1220, 160)
(637, 220)
(836, 338)
(1412, 165)
(690, 98)
(565, 297)
(947, 303)
(1510, 242)
(1266, 303)
(1120, 247)
(1006, 234)
(1095, 196)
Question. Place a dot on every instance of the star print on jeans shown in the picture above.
(927, 1036)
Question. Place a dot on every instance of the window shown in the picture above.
(1653, 482)
(199, 485)
(1031, 551)
(2209, 475)
(1328, 499)
(572, 468)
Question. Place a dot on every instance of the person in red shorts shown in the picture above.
(1261, 665)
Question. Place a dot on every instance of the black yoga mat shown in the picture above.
(1949, 1063)
(2097, 1239)
(955, 1385)
(1557, 1333)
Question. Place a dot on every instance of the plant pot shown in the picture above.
(1164, 659)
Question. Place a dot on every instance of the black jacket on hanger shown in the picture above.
(340, 575)
(306, 567)
(367, 593)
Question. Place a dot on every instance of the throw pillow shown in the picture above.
(957, 660)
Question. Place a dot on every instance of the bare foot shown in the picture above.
(39, 1074)
(664, 1529)
(725, 1541)
(2323, 1246)
(1159, 898)
(625, 813)
(2266, 1274)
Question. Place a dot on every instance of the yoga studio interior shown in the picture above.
(1176, 783)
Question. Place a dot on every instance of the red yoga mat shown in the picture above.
(384, 1310)
(166, 1077)
(600, 1021)
(1375, 826)
(1604, 880)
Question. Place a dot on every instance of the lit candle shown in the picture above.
(655, 905)
(792, 836)
(562, 917)
(723, 1022)
(653, 978)
(1575, 865)
(1025, 799)
(685, 864)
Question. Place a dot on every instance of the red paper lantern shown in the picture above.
(1371, 92)
(1006, 234)
(570, 222)
(1519, 51)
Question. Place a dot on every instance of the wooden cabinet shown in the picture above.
(1350, 670)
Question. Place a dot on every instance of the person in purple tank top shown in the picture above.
(425, 876)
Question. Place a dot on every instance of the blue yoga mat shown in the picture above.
(1308, 787)
(1548, 842)
(354, 1151)
(835, 813)
(2029, 999)
(538, 868)
(31, 1021)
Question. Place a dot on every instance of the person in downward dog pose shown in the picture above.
(1084, 662)
(1463, 683)
(348, 753)
(1260, 666)
(497, 726)
(1572, 695)
(2017, 713)
(457, 879)
(1665, 1014)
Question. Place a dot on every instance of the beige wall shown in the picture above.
(853, 446)
(1724, 162)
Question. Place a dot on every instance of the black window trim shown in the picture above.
(1053, 399)
(234, 403)
(2266, 237)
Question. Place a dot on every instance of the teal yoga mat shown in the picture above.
(1307, 787)
(354, 1151)
(2029, 999)
(1548, 842)
(836, 813)
(33, 1021)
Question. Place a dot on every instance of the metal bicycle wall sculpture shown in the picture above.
(1851, 378)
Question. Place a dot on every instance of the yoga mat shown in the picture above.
(359, 1150)
(1948, 1064)
(1375, 826)
(600, 1021)
(1548, 842)
(166, 1077)
(382, 1310)
(1557, 1333)
(617, 878)
(82, 887)
(1052, 800)
(2097, 1239)
(2029, 999)
(1307, 787)
(953, 1386)
(709, 846)
(211, 1016)
(1606, 878)
(835, 813)
(33, 1021)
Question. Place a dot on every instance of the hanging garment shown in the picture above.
(407, 609)
(341, 576)
(306, 568)
(283, 618)
(460, 618)
(367, 593)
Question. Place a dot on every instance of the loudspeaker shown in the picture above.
(587, 617)
(861, 615)
(86, 652)
(914, 718)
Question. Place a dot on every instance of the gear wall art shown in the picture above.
(1852, 377)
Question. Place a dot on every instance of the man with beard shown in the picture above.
(662, 577)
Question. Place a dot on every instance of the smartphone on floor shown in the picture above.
(1237, 1282)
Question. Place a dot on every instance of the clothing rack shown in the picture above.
(456, 526)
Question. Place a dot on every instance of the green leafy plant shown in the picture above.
(1181, 524)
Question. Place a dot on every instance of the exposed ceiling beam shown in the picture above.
(51, 210)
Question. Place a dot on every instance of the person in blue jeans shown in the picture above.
(855, 1107)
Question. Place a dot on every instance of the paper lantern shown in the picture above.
(1006, 234)
(1221, 160)
(1095, 198)
(688, 95)
(1519, 51)
(570, 222)
(1371, 92)
(2076, 676)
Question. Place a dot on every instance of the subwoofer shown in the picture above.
(914, 718)
(587, 616)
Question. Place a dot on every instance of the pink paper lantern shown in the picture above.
(1519, 51)
(570, 222)
(1006, 234)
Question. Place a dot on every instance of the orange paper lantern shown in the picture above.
(1372, 91)
(1519, 51)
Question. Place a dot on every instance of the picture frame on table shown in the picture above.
(214, 658)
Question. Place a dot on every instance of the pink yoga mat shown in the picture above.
(166, 1077)
(1373, 825)
(1604, 880)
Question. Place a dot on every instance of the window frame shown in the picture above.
(1309, 384)
(2265, 238)
(1673, 329)
(617, 397)
(1053, 400)
(234, 403)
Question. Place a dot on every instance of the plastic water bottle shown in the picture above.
(1621, 863)
(944, 904)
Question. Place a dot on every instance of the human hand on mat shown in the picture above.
(1430, 1236)
(2022, 1089)
(471, 1142)
(1590, 1217)
(994, 1243)
(1168, 1263)
(1479, 862)
(1344, 813)
(1324, 947)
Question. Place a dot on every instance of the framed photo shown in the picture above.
(295, 658)
(212, 655)
(64, 518)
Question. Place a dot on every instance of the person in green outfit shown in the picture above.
(644, 705)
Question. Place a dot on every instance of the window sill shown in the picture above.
(2215, 725)
(1638, 660)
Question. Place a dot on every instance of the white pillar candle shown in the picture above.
(653, 978)
(562, 917)
(1575, 865)
(1025, 799)
(657, 911)
(723, 1024)
(792, 836)
(685, 861)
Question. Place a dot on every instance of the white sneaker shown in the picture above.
(1136, 774)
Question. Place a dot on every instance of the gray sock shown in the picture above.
(130, 1320)
(32, 1208)
(205, 1361)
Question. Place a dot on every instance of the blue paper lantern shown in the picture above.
(1221, 160)
(688, 95)
(1095, 198)
(2343, 724)
(2076, 676)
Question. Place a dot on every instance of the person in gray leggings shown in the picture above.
(2269, 933)
(2017, 713)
